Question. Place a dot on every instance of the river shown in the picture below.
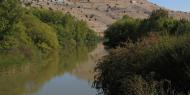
(68, 74)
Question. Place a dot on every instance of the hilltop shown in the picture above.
(101, 13)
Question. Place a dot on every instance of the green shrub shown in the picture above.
(68, 28)
(129, 29)
(10, 14)
(157, 58)
(169, 59)
(121, 31)
(38, 31)
(42, 35)
(156, 49)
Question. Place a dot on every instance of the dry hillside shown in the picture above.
(101, 13)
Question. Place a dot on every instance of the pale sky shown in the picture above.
(179, 5)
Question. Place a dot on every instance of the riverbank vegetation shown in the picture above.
(28, 32)
(150, 57)
(131, 29)
(15, 79)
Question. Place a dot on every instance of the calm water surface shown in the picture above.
(69, 74)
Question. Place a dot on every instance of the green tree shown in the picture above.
(10, 14)
(122, 31)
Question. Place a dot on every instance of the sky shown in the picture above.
(179, 5)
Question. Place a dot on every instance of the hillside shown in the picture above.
(101, 13)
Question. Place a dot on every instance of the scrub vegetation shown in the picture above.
(147, 57)
(29, 32)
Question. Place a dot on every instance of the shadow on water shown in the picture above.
(68, 73)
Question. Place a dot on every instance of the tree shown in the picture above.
(10, 14)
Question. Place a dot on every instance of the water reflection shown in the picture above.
(66, 84)
(70, 73)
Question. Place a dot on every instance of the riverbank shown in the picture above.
(27, 33)
(147, 57)
(70, 73)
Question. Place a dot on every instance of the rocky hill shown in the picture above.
(101, 13)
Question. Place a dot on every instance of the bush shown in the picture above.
(156, 57)
(121, 31)
(42, 35)
(10, 14)
(36, 31)
(147, 51)
(133, 29)
(68, 28)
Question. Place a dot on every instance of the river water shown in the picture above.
(69, 74)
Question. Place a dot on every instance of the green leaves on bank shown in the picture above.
(150, 57)
(27, 31)
(131, 29)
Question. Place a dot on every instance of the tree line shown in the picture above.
(26, 31)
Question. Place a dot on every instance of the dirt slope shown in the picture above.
(101, 13)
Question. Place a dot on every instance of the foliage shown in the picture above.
(133, 29)
(34, 31)
(121, 31)
(165, 57)
(68, 28)
(151, 51)
(42, 35)
(10, 14)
